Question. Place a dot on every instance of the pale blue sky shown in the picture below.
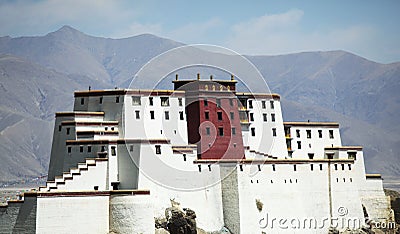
(364, 27)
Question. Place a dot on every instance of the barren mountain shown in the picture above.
(39, 74)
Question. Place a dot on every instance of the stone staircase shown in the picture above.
(260, 155)
(83, 169)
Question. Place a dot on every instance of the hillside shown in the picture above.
(39, 74)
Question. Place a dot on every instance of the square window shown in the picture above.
(151, 114)
(151, 101)
(113, 151)
(308, 134)
(311, 156)
(299, 145)
(69, 149)
(208, 132)
(181, 115)
(218, 101)
(250, 104)
(233, 131)
(273, 117)
(221, 131)
(219, 114)
(158, 149)
(205, 102)
(272, 105)
(137, 114)
(180, 102)
(207, 115)
(164, 101)
(136, 101)
(253, 132)
(320, 133)
(166, 113)
(251, 117)
(265, 117)
(232, 116)
(263, 104)
(298, 133)
(274, 132)
(89, 149)
(331, 134)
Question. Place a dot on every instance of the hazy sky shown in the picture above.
(367, 28)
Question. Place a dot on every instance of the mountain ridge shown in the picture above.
(39, 75)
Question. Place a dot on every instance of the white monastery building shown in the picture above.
(123, 157)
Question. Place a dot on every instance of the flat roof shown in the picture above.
(358, 148)
(86, 193)
(116, 92)
(79, 113)
(312, 124)
(116, 141)
(259, 95)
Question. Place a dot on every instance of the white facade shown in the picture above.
(122, 158)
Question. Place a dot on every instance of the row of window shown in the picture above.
(136, 101)
(166, 115)
(89, 149)
(253, 132)
(308, 132)
(263, 104)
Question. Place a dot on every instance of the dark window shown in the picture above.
(89, 149)
(59, 128)
(299, 145)
(342, 167)
(81, 149)
(117, 99)
(184, 157)
(205, 102)
(164, 101)
(250, 104)
(352, 155)
(166, 115)
(137, 113)
(253, 132)
(207, 115)
(263, 104)
(231, 102)
(101, 100)
(271, 103)
(274, 132)
(82, 101)
(320, 167)
(181, 115)
(298, 133)
(251, 117)
(308, 133)
(330, 155)
(68, 131)
(273, 167)
(113, 151)
(136, 101)
(221, 131)
(180, 101)
(273, 117)
(151, 114)
(295, 167)
(158, 149)
(69, 149)
(218, 101)
(103, 148)
(219, 114)
(151, 101)
(331, 134)
(349, 167)
(320, 133)
(312, 167)
(336, 167)
(207, 130)
(265, 118)
(233, 131)
(232, 115)
(131, 148)
(310, 155)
